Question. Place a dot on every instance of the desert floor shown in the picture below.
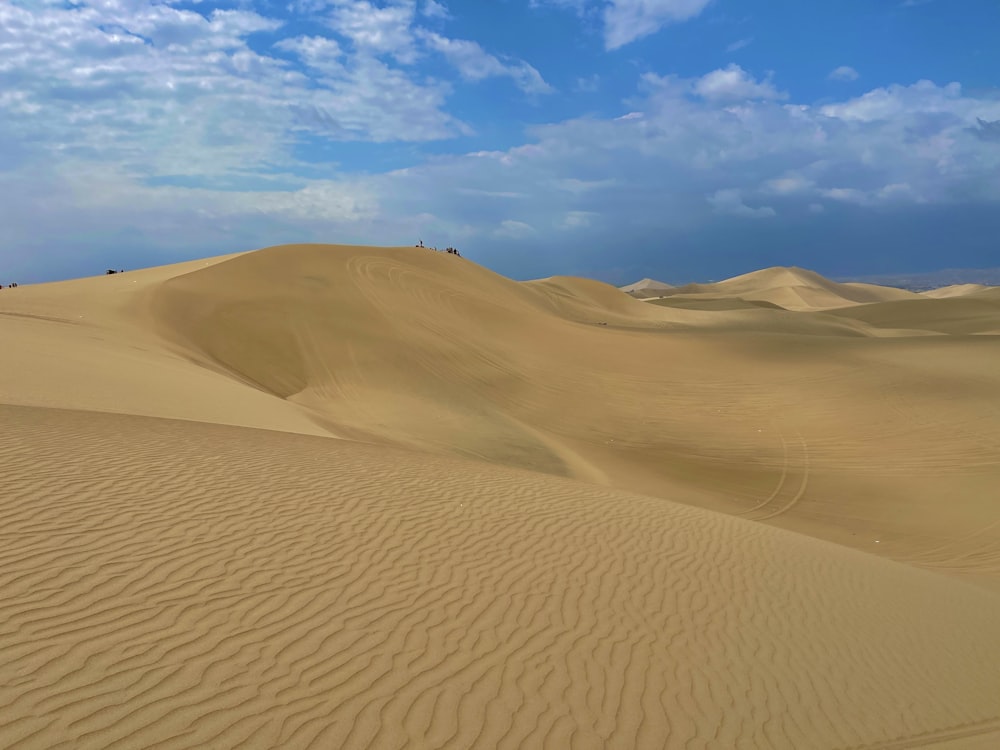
(349, 497)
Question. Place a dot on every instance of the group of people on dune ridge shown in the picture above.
(451, 250)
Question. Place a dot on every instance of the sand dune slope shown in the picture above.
(798, 419)
(956, 315)
(180, 585)
(90, 344)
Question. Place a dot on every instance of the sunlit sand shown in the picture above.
(347, 497)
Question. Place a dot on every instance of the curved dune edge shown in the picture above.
(170, 584)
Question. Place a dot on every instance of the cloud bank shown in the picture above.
(137, 133)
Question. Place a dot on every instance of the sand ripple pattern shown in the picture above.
(167, 584)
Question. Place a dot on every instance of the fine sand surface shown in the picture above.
(327, 496)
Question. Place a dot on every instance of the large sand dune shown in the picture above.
(354, 497)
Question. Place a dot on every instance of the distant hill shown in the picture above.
(954, 290)
(794, 289)
(647, 288)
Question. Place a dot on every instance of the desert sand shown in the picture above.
(330, 496)
(647, 288)
(954, 290)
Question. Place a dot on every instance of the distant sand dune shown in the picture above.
(337, 496)
(646, 288)
(796, 289)
(955, 290)
(170, 584)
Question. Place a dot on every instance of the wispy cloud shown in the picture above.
(587, 84)
(730, 202)
(514, 229)
(136, 128)
(628, 20)
(378, 29)
(843, 73)
(435, 9)
(474, 63)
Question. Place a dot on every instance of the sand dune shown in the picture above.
(954, 315)
(955, 290)
(647, 288)
(796, 289)
(427, 351)
(338, 496)
(990, 292)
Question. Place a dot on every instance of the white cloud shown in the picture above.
(730, 202)
(687, 161)
(377, 29)
(732, 83)
(576, 220)
(491, 193)
(896, 100)
(197, 100)
(434, 9)
(474, 63)
(789, 184)
(587, 84)
(578, 187)
(514, 229)
(896, 193)
(202, 132)
(739, 44)
(847, 195)
(580, 7)
(381, 102)
(843, 73)
(628, 20)
(319, 53)
(899, 192)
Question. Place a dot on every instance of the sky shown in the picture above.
(676, 139)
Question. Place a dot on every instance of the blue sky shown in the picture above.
(679, 139)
